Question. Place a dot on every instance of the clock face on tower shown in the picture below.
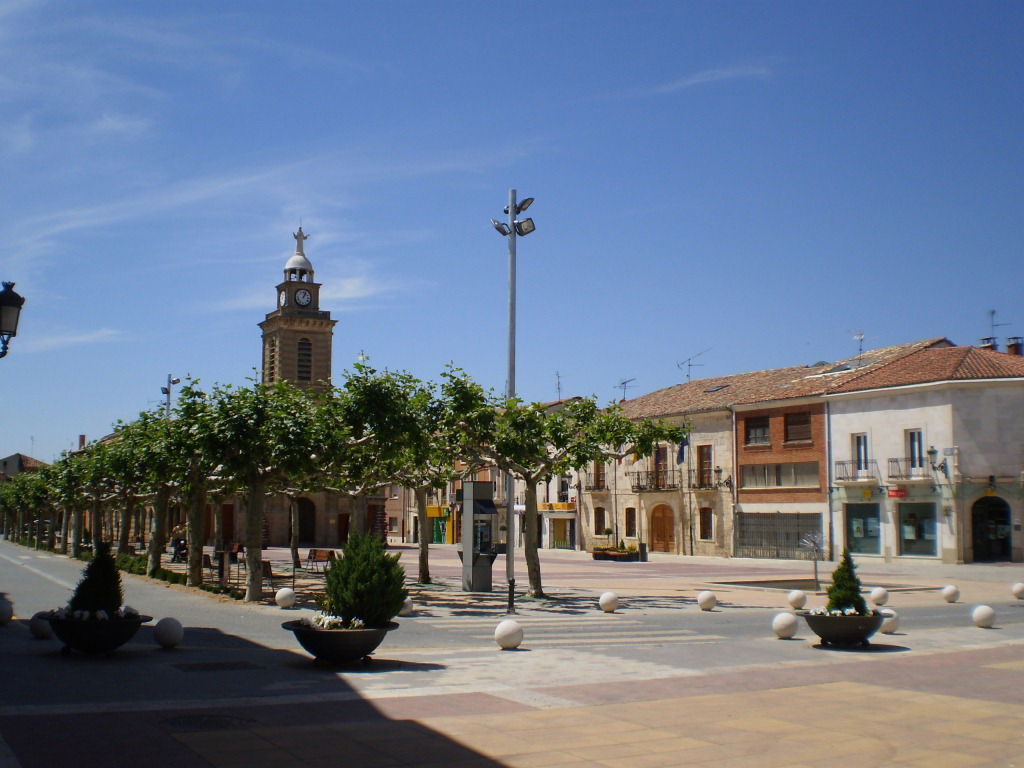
(303, 297)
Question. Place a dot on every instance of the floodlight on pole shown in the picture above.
(166, 392)
(510, 230)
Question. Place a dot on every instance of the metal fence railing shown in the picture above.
(775, 534)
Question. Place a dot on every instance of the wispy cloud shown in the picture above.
(743, 72)
(120, 125)
(58, 341)
(335, 290)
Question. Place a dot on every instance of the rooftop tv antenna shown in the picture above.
(558, 385)
(688, 362)
(624, 385)
(858, 336)
(992, 324)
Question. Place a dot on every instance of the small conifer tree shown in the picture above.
(845, 590)
(365, 584)
(100, 588)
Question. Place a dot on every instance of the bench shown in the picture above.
(269, 575)
(318, 559)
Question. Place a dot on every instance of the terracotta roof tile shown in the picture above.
(723, 392)
(943, 364)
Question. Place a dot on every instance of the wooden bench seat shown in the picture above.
(318, 559)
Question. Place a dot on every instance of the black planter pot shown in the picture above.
(339, 646)
(847, 631)
(95, 635)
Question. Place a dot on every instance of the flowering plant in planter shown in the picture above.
(364, 590)
(95, 621)
(846, 620)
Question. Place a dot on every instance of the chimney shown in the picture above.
(1015, 345)
(989, 342)
(81, 442)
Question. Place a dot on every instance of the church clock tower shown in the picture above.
(297, 335)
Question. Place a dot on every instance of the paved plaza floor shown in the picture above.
(658, 683)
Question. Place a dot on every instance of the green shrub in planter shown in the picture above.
(100, 587)
(845, 592)
(365, 586)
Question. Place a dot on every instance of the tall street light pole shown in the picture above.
(167, 392)
(514, 227)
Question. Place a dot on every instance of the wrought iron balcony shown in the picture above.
(654, 480)
(858, 471)
(595, 482)
(702, 480)
(904, 469)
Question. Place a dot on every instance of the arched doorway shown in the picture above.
(990, 529)
(307, 522)
(663, 529)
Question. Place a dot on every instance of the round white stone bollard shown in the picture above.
(983, 616)
(950, 593)
(168, 633)
(285, 597)
(40, 627)
(609, 602)
(508, 635)
(891, 622)
(879, 596)
(707, 600)
(1018, 590)
(797, 599)
(407, 608)
(784, 625)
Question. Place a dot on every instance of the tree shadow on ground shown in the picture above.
(210, 700)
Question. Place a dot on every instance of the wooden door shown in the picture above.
(663, 538)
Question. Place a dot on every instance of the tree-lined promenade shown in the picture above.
(377, 428)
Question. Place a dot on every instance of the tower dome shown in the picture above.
(299, 267)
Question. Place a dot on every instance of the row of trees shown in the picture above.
(376, 429)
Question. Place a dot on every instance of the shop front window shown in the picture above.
(917, 529)
(863, 534)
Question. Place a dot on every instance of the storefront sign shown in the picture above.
(556, 507)
(897, 493)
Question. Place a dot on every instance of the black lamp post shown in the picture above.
(10, 311)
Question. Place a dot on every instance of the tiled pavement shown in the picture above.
(951, 709)
(931, 706)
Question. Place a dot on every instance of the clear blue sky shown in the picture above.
(754, 179)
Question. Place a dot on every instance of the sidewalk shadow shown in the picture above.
(212, 699)
(873, 648)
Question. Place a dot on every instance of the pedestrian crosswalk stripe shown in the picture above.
(614, 639)
(526, 622)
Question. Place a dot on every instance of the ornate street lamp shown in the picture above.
(10, 311)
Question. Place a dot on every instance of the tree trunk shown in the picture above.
(360, 523)
(127, 514)
(196, 507)
(76, 532)
(421, 512)
(254, 542)
(97, 523)
(51, 539)
(293, 520)
(65, 524)
(158, 533)
(530, 542)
